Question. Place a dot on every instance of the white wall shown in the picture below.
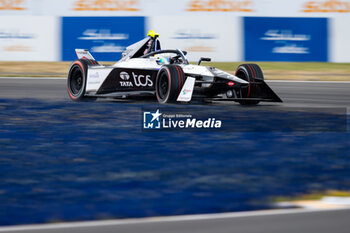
(29, 38)
(218, 37)
(339, 46)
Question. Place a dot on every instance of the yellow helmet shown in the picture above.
(153, 34)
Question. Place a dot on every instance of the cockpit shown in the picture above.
(150, 47)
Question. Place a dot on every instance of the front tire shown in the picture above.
(250, 73)
(76, 81)
(169, 82)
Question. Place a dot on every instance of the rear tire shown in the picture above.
(169, 82)
(76, 81)
(250, 73)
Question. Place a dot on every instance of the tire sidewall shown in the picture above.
(175, 77)
(245, 71)
(243, 68)
(249, 76)
(166, 70)
(82, 67)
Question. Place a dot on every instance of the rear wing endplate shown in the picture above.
(84, 54)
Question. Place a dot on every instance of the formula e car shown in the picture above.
(146, 69)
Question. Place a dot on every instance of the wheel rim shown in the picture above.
(163, 85)
(76, 81)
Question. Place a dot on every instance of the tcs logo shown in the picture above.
(142, 80)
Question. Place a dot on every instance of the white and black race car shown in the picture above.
(146, 69)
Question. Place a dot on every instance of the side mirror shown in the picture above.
(203, 59)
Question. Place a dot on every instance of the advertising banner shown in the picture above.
(285, 39)
(13, 7)
(339, 43)
(94, 7)
(105, 37)
(25, 7)
(146, 7)
(267, 8)
(217, 37)
(29, 38)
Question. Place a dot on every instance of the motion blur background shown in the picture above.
(67, 161)
(225, 30)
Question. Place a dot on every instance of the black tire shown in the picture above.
(76, 81)
(169, 82)
(250, 73)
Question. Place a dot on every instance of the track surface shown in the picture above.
(294, 94)
(298, 94)
(333, 221)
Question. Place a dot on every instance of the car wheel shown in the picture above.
(76, 81)
(250, 73)
(169, 82)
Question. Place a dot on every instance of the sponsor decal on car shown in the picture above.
(185, 92)
(158, 120)
(125, 84)
(124, 76)
(94, 75)
(142, 80)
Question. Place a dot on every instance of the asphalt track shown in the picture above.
(294, 94)
(286, 221)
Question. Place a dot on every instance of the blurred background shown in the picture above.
(67, 161)
(226, 30)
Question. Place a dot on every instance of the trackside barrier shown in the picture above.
(225, 30)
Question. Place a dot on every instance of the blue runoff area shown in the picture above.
(67, 161)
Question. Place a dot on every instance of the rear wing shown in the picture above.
(84, 54)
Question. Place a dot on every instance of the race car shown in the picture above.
(146, 69)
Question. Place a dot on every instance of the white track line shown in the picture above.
(198, 217)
